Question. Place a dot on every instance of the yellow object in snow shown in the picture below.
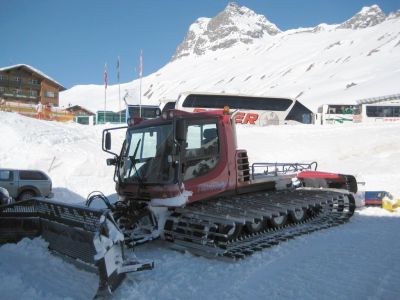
(390, 204)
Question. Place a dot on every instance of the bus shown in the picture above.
(387, 112)
(249, 110)
(335, 113)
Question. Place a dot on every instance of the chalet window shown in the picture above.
(18, 79)
(33, 93)
(3, 77)
(34, 81)
(50, 94)
(2, 89)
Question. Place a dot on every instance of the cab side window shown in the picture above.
(202, 149)
(6, 175)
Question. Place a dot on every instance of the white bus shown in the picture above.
(388, 112)
(335, 113)
(259, 111)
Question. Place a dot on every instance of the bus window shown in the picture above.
(396, 111)
(341, 109)
(237, 102)
(372, 111)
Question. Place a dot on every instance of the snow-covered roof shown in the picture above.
(40, 73)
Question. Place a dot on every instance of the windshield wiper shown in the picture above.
(133, 164)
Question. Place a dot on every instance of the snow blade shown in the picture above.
(85, 234)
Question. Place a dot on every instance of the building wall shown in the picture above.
(19, 85)
(49, 94)
(24, 86)
(79, 111)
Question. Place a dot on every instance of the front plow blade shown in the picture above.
(85, 234)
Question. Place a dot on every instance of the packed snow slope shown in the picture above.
(358, 260)
(239, 51)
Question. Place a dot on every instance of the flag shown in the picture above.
(118, 68)
(105, 76)
(141, 64)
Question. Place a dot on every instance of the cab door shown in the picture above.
(205, 170)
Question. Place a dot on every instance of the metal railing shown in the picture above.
(275, 169)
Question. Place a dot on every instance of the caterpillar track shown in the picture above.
(198, 228)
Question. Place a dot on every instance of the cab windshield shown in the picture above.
(147, 155)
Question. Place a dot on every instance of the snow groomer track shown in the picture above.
(198, 228)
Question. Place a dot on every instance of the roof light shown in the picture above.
(131, 122)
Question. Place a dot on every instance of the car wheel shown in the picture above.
(26, 195)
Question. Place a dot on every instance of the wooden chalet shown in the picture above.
(27, 85)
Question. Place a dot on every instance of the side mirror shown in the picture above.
(111, 161)
(108, 141)
(180, 130)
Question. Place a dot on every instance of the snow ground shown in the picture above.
(358, 260)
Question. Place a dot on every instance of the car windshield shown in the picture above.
(147, 155)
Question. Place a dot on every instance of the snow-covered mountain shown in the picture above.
(233, 25)
(239, 51)
(367, 17)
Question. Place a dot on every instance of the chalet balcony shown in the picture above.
(19, 84)
(21, 96)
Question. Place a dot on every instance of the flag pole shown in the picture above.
(140, 83)
(105, 91)
(119, 92)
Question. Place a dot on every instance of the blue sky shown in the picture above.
(71, 40)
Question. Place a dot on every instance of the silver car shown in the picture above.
(26, 184)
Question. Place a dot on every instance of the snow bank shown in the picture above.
(70, 153)
(358, 260)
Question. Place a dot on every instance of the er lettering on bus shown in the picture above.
(239, 117)
(243, 118)
(250, 118)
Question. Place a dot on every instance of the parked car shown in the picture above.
(26, 184)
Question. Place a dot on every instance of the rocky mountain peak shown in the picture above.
(235, 24)
(394, 15)
(367, 17)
